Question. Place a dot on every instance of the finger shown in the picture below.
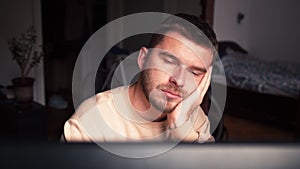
(203, 87)
(196, 97)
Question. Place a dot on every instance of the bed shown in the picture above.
(259, 90)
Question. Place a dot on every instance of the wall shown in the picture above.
(16, 16)
(225, 21)
(118, 8)
(275, 29)
(270, 29)
(192, 7)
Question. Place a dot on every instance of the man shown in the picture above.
(163, 105)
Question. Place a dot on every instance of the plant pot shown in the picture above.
(23, 89)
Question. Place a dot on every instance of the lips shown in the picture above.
(171, 95)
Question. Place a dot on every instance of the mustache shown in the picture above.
(173, 88)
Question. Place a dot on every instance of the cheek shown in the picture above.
(191, 84)
(158, 76)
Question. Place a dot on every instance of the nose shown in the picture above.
(178, 77)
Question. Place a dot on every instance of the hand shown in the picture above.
(185, 108)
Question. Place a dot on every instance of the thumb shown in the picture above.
(204, 84)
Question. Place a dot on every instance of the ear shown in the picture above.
(142, 57)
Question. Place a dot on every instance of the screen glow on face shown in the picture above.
(172, 63)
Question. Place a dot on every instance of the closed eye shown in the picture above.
(169, 60)
(197, 73)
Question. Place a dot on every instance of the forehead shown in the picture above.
(185, 50)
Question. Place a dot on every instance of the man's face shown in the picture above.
(173, 70)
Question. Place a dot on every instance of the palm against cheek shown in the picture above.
(185, 108)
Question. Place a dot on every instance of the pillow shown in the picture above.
(225, 46)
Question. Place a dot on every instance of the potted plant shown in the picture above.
(27, 54)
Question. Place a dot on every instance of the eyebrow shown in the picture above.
(165, 53)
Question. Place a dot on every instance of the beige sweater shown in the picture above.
(109, 117)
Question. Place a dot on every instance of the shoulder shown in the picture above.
(93, 117)
(101, 101)
(89, 114)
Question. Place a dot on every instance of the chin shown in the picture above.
(170, 107)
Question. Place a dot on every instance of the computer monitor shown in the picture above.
(90, 155)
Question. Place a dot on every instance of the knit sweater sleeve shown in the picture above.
(74, 132)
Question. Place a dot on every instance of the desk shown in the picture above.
(29, 122)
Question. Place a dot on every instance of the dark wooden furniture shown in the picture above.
(275, 111)
(22, 122)
(55, 121)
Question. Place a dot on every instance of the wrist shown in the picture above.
(176, 123)
(185, 132)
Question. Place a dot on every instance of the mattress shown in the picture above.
(270, 77)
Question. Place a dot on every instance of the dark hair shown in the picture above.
(175, 23)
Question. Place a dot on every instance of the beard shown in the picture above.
(156, 97)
